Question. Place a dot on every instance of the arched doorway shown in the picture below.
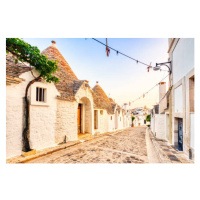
(84, 116)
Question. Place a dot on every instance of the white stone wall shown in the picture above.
(178, 99)
(120, 120)
(14, 116)
(43, 117)
(183, 58)
(66, 121)
(14, 120)
(84, 96)
(103, 122)
(111, 122)
(159, 129)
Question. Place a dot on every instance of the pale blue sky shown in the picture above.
(122, 78)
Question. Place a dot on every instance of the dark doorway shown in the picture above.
(79, 118)
(180, 134)
(95, 119)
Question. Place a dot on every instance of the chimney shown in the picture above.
(162, 92)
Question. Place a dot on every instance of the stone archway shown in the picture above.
(84, 116)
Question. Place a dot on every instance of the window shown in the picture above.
(40, 94)
(111, 118)
(101, 112)
(120, 119)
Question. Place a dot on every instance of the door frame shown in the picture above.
(79, 107)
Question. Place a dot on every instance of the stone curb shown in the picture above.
(161, 154)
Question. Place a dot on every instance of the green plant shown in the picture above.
(24, 52)
(148, 118)
(132, 119)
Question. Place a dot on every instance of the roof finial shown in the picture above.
(53, 42)
(97, 82)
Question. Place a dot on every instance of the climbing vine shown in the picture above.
(24, 52)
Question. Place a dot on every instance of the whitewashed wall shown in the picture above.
(84, 95)
(160, 129)
(66, 121)
(120, 120)
(178, 99)
(183, 58)
(103, 122)
(14, 120)
(111, 122)
(43, 117)
(39, 115)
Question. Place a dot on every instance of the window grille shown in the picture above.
(40, 94)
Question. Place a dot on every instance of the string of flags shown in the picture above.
(118, 52)
(107, 48)
(143, 96)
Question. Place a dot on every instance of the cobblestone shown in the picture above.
(132, 145)
(128, 146)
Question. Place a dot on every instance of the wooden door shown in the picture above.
(79, 118)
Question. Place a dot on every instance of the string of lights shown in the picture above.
(149, 89)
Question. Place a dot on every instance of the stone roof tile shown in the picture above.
(101, 100)
(13, 71)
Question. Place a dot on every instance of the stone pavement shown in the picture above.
(132, 145)
(127, 146)
(166, 153)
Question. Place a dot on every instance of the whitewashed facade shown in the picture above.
(54, 120)
(181, 52)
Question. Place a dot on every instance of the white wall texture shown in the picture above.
(43, 117)
(178, 99)
(14, 112)
(66, 121)
(120, 120)
(111, 122)
(159, 126)
(103, 122)
(14, 115)
(52, 120)
(183, 58)
(84, 95)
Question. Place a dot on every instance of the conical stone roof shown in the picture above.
(65, 72)
(101, 100)
(68, 83)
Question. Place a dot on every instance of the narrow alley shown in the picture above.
(133, 145)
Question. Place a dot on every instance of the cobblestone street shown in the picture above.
(128, 146)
